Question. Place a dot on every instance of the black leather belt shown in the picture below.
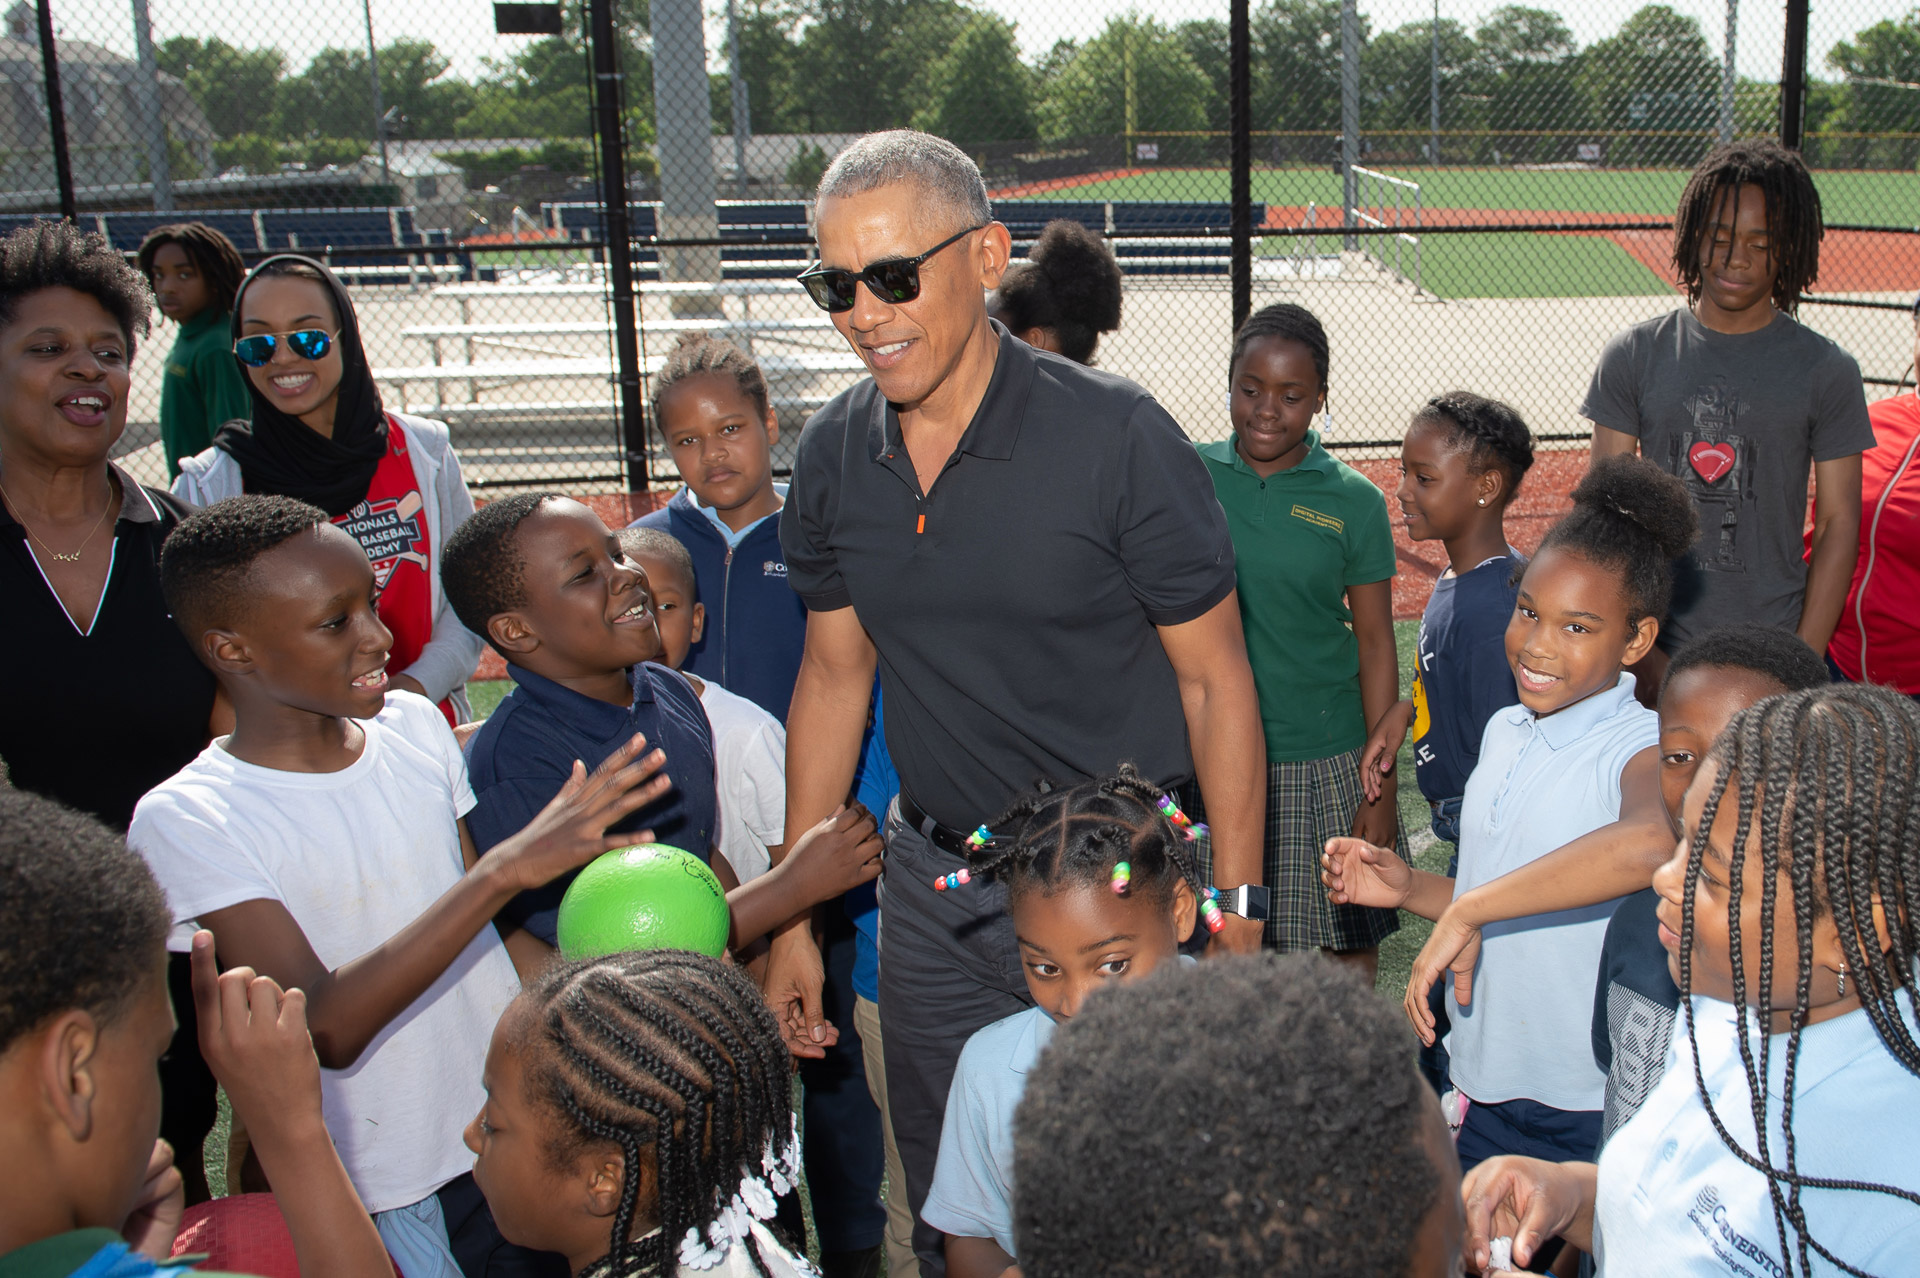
(944, 837)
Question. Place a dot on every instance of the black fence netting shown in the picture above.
(1469, 195)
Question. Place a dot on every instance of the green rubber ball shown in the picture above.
(650, 897)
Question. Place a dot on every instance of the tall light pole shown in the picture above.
(1727, 75)
(379, 112)
(153, 120)
(1349, 115)
(1433, 125)
(742, 118)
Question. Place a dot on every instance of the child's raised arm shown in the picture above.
(1615, 860)
(831, 859)
(254, 1038)
(349, 1006)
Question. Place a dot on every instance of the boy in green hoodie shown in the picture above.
(195, 272)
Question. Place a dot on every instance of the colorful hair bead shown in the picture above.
(1122, 876)
(946, 882)
(1171, 811)
(978, 839)
(1211, 915)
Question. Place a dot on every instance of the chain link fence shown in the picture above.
(1469, 195)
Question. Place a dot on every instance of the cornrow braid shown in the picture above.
(211, 253)
(1080, 833)
(1794, 226)
(1833, 776)
(697, 353)
(1291, 323)
(669, 1051)
(1494, 431)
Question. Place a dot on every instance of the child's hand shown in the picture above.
(1452, 948)
(1381, 753)
(835, 856)
(1525, 1199)
(572, 830)
(1377, 821)
(254, 1037)
(1357, 872)
(155, 1220)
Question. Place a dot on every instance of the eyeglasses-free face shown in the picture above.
(893, 281)
(256, 350)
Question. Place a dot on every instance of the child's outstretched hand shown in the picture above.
(254, 1038)
(572, 830)
(1357, 872)
(1381, 753)
(1527, 1200)
(835, 856)
(1452, 949)
(155, 1220)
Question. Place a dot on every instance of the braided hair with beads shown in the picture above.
(1493, 433)
(667, 1051)
(1794, 226)
(1832, 774)
(1085, 833)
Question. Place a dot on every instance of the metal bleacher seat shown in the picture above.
(126, 230)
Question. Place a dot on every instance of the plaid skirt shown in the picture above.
(1308, 803)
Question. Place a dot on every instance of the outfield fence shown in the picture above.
(1470, 195)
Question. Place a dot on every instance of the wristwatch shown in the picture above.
(1249, 901)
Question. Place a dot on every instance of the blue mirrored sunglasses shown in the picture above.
(308, 343)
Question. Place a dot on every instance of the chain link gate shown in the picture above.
(1469, 195)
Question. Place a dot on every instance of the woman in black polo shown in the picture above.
(107, 700)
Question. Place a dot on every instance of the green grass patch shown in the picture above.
(1534, 266)
(484, 695)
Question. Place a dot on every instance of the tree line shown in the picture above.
(838, 66)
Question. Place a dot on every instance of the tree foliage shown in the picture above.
(1133, 60)
(980, 91)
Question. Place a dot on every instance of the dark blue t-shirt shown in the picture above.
(1460, 673)
(521, 756)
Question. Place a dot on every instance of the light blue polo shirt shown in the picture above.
(972, 1194)
(1674, 1200)
(1539, 785)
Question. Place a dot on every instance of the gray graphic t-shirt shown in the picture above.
(1740, 418)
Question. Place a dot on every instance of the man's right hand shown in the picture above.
(1359, 873)
(795, 977)
(572, 830)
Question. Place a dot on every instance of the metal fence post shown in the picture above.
(613, 193)
(1793, 75)
(1349, 112)
(56, 112)
(1240, 113)
(153, 119)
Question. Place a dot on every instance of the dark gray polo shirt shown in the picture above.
(1016, 625)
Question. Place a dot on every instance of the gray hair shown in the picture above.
(939, 168)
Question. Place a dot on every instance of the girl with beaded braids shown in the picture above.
(1782, 1137)
(1103, 884)
(639, 1120)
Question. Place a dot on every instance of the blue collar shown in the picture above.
(1033, 1040)
(580, 712)
(1567, 726)
(732, 538)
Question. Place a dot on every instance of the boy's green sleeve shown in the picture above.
(223, 387)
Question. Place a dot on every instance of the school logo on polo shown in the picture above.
(772, 568)
(1321, 518)
(391, 532)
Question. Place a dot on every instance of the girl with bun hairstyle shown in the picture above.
(1562, 817)
(1065, 295)
(320, 434)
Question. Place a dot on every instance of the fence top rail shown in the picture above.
(650, 288)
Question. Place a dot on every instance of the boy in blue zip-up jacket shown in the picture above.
(711, 402)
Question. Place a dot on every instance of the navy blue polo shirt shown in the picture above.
(1461, 677)
(520, 758)
(1014, 605)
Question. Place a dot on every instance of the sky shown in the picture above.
(463, 29)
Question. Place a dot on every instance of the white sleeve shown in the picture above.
(762, 782)
(451, 652)
(424, 725)
(183, 835)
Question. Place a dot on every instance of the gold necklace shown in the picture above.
(73, 558)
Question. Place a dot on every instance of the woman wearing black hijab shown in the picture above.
(320, 434)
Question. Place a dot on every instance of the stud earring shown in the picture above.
(1483, 501)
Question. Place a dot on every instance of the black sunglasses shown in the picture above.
(894, 280)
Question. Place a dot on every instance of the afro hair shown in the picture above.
(1069, 283)
(46, 254)
(1634, 518)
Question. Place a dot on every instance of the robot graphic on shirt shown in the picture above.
(1716, 464)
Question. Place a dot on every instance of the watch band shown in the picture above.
(1249, 900)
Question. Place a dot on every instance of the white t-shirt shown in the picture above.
(1674, 1200)
(354, 856)
(750, 765)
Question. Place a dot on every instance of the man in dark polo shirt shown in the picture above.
(1031, 552)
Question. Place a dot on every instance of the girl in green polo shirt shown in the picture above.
(195, 272)
(1314, 557)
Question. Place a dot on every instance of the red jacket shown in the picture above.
(1878, 639)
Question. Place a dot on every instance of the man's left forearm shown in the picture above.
(1229, 761)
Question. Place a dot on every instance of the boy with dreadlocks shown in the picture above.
(1102, 886)
(195, 272)
(639, 1120)
(1737, 399)
(1781, 1139)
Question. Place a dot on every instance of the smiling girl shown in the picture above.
(319, 434)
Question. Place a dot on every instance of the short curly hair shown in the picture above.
(480, 567)
(205, 561)
(661, 544)
(1779, 655)
(47, 254)
(82, 922)
(1258, 1117)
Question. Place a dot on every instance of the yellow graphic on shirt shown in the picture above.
(1422, 719)
(1316, 517)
